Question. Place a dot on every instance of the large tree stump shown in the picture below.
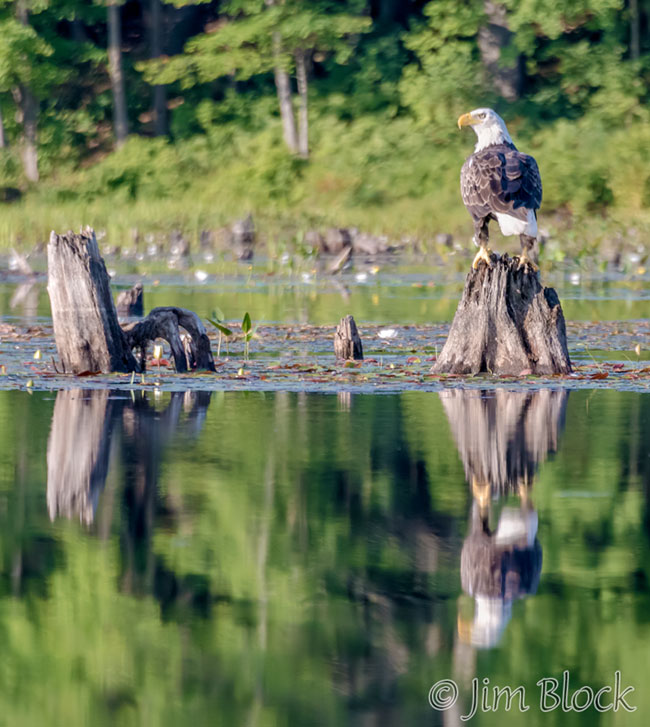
(506, 324)
(88, 335)
(347, 342)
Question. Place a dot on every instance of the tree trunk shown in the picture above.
(635, 39)
(28, 107)
(29, 151)
(88, 335)
(492, 39)
(159, 91)
(303, 117)
(120, 121)
(3, 138)
(283, 87)
(506, 324)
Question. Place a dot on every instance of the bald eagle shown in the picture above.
(497, 182)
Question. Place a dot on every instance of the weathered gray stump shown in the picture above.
(130, 302)
(164, 323)
(506, 324)
(88, 335)
(347, 342)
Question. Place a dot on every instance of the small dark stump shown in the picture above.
(347, 342)
(130, 302)
(506, 324)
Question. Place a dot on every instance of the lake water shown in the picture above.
(238, 558)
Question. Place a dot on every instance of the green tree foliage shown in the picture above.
(368, 91)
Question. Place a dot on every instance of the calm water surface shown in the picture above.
(292, 559)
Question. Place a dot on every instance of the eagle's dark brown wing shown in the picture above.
(500, 179)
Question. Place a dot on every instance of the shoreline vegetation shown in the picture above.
(182, 118)
(152, 189)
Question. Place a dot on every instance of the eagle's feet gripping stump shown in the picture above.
(525, 260)
(485, 254)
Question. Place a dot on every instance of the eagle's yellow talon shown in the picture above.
(484, 254)
(481, 492)
(525, 260)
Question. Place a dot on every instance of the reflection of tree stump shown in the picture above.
(77, 452)
(83, 427)
(506, 324)
(503, 436)
(347, 342)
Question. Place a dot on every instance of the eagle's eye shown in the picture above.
(482, 116)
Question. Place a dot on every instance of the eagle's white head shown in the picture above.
(488, 125)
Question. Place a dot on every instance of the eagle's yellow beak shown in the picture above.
(466, 120)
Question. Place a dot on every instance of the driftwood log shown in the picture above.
(191, 352)
(347, 342)
(506, 324)
(87, 332)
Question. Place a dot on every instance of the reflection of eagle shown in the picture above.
(496, 568)
(498, 182)
(502, 438)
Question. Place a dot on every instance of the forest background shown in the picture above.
(187, 115)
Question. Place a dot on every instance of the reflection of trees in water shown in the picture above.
(340, 566)
(502, 437)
